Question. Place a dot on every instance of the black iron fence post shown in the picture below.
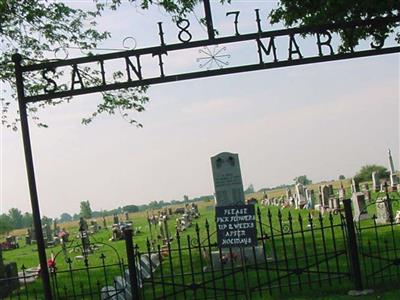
(130, 253)
(44, 272)
(352, 246)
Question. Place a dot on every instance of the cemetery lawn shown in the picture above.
(26, 255)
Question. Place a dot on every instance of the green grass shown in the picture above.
(295, 246)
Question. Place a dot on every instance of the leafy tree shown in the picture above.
(365, 173)
(46, 221)
(130, 208)
(249, 190)
(341, 177)
(86, 211)
(65, 217)
(27, 220)
(302, 180)
(5, 224)
(311, 12)
(15, 218)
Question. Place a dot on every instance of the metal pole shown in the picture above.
(209, 22)
(352, 246)
(130, 253)
(44, 272)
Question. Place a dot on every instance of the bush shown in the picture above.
(365, 173)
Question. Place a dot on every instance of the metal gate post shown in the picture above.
(44, 272)
(130, 253)
(352, 246)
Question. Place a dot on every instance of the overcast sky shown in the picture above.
(322, 120)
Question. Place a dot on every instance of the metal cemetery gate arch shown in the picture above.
(267, 56)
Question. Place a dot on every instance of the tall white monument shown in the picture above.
(393, 178)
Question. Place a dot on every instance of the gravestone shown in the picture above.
(334, 203)
(94, 228)
(341, 192)
(367, 192)
(166, 235)
(126, 216)
(309, 199)
(358, 200)
(331, 192)
(375, 182)
(235, 220)
(355, 186)
(8, 277)
(384, 211)
(397, 217)
(227, 179)
(115, 218)
(393, 177)
(288, 193)
(325, 195)
(28, 237)
(300, 195)
(104, 222)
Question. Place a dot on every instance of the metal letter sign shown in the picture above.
(263, 42)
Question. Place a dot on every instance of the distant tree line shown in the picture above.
(14, 219)
(86, 211)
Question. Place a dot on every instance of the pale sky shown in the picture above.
(321, 120)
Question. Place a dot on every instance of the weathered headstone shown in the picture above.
(334, 203)
(288, 193)
(116, 219)
(8, 277)
(300, 195)
(341, 192)
(227, 179)
(359, 206)
(330, 189)
(384, 211)
(325, 195)
(309, 199)
(367, 192)
(28, 237)
(235, 220)
(104, 222)
(355, 186)
(375, 182)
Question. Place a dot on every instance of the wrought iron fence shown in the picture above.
(293, 254)
(330, 252)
